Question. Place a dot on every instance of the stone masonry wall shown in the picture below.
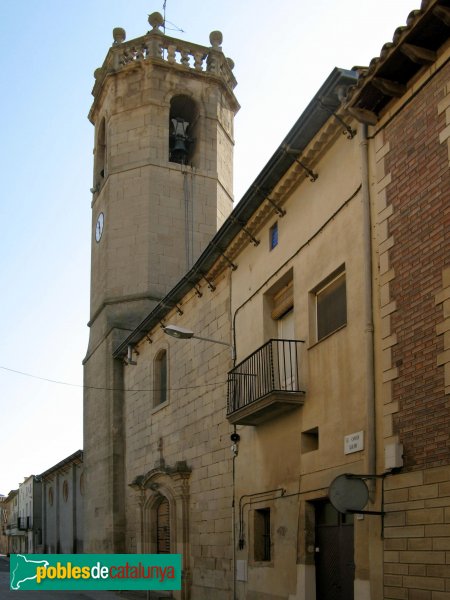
(190, 426)
(417, 535)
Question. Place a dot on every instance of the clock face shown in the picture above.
(99, 227)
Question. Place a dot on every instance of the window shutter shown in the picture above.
(283, 301)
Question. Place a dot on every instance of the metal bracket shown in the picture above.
(348, 130)
(280, 211)
(381, 512)
(366, 512)
(364, 476)
(175, 306)
(222, 253)
(247, 232)
(312, 176)
(211, 286)
(195, 286)
(197, 290)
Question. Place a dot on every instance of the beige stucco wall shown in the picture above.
(320, 232)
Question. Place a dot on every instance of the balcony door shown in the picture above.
(287, 362)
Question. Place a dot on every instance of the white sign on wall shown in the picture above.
(241, 570)
(354, 442)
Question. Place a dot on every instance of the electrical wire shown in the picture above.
(110, 389)
(175, 27)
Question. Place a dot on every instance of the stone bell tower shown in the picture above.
(163, 113)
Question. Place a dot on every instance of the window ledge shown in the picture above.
(159, 407)
(314, 344)
(261, 563)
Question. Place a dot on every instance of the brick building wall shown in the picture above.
(420, 225)
(414, 253)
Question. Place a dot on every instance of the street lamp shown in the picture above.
(181, 333)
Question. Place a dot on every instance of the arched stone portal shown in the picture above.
(164, 505)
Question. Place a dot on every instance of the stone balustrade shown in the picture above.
(155, 45)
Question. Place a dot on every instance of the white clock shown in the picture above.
(99, 227)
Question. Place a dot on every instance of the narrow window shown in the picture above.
(100, 156)
(163, 528)
(262, 545)
(65, 491)
(160, 380)
(273, 236)
(331, 306)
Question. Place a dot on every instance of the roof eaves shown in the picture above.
(76, 457)
(422, 27)
(300, 135)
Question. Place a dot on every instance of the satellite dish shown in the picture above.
(348, 493)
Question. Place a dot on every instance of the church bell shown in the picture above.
(179, 140)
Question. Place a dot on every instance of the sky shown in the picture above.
(283, 52)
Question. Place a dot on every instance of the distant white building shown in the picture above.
(62, 491)
(10, 539)
(29, 521)
(3, 523)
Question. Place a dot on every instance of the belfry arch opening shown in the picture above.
(183, 118)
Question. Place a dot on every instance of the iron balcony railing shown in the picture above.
(272, 368)
(25, 523)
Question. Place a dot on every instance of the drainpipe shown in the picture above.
(233, 533)
(234, 447)
(368, 309)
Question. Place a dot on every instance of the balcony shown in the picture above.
(265, 384)
(25, 523)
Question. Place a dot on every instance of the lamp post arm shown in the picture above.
(205, 339)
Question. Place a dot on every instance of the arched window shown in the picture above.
(163, 527)
(65, 490)
(160, 378)
(182, 122)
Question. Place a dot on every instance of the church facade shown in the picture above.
(266, 389)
